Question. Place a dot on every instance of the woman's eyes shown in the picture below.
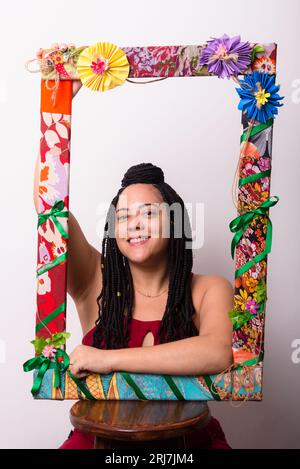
(150, 211)
(146, 213)
(122, 217)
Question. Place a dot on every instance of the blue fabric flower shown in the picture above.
(259, 96)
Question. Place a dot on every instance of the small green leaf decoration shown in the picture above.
(39, 344)
(57, 340)
(60, 338)
(255, 50)
(239, 317)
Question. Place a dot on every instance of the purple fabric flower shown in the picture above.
(226, 56)
(252, 306)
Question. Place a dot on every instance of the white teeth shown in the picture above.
(137, 240)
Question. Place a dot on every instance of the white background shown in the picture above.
(191, 128)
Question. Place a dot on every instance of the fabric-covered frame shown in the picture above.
(251, 243)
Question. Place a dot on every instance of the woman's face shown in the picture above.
(142, 224)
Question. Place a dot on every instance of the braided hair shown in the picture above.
(116, 297)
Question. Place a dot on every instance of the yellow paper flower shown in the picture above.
(102, 66)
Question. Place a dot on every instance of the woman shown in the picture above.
(152, 314)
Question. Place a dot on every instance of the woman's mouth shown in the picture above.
(138, 241)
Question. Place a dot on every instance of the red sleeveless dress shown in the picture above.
(212, 436)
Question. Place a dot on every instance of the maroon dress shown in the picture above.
(212, 436)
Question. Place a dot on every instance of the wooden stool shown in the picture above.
(148, 424)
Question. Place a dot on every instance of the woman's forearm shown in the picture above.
(191, 356)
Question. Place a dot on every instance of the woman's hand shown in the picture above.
(85, 360)
(77, 84)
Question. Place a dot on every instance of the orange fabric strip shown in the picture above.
(63, 101)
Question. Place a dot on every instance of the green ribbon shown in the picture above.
(256, 129)
(61, 308)
(252, 361)
(52, 264)
(134, 386)
(174, 388)
(141, 395)
(56, 211)
(43, 363)
(211, 387)
(83, 388)
(254, 177)
(239, 224)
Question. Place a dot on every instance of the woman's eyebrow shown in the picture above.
(139, 206)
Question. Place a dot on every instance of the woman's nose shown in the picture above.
(134, 223)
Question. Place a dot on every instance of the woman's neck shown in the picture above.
(149, 279)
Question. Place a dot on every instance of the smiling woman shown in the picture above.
(149, 307)
(160, 265)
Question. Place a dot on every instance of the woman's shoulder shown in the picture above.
(198, 287)
(202, 283)
(207, 280)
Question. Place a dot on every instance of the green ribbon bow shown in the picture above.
(43, 363)
(56, 211)
(239, 224)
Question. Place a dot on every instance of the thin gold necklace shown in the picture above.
(151, 296)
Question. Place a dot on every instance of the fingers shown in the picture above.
(79, 373)
(77, 84)
(77, 366)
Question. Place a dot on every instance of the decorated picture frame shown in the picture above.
(101, 67)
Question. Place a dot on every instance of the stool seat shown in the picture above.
(116, 424)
